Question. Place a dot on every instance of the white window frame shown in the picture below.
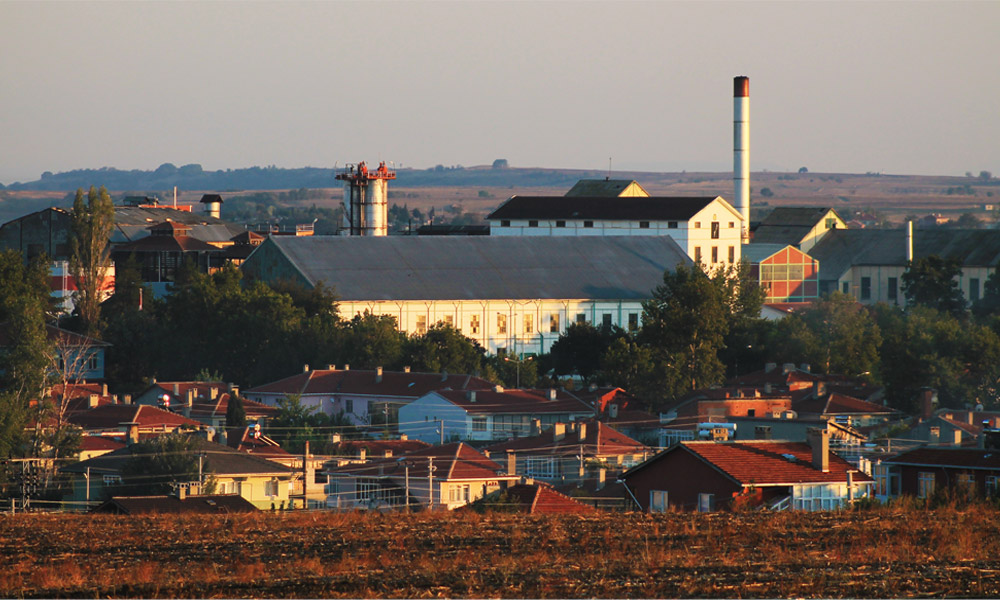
(706, 502)
(926, 481)
(658, 501)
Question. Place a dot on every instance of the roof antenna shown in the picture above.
(608, 178)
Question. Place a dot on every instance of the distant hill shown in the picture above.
(193, 177)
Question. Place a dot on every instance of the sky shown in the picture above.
(897, 87)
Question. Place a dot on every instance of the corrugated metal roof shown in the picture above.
(755, 253)
(631, 208)
(481, 268)
(841, 249)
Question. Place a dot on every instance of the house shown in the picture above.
(99, 445)
(616, 407)
(263, 483)
(573, 453)
(706, 228)
(160, 254)
(952, 428)
(786, 274)
(77, 358)
(923, 471)
(531, 499)
(517, 295)
(842, 408)
(708, 413)
(360, 451)
(607, 188)
(209, 504)
(868, 264)
(801, 227)
(487, 415)
(359, 393)
(135, 420)
(800, 382)
(435, 477)
(707, 476)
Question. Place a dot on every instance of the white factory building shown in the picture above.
(513, 294)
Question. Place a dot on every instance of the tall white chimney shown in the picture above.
(741, 151)
(909, 241)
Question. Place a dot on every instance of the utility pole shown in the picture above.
(201, 476)
(440, 423)
(430, 482)
(87, 476)
(406, 485)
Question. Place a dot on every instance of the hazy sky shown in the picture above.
(908, 88)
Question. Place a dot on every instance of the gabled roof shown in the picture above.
(111, 416)
(450, 462)
(763, 463)
(599, 440)
(219, 460)
(533, 499)
(94, 443)
(378, 448)
(839, 404)
(138, 505)
(963, 458)
(841, 249)
(797, 216)
(603, 208)
(603, 187)
(473, 267)
(363, 383)
(132, 223)
(64, 337)
(205, 407)
(166, 243)
(756, 253)
(489, 401)
(262, 446)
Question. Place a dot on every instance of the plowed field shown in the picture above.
(881, 553)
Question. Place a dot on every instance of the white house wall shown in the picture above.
(852, 282)
(480, 320)
(420, 418)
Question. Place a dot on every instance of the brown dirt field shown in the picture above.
(878, 553)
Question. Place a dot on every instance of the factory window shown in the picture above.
(831, 223)
(581, 317)
(633, 321)
(847, 287)
(505, 223)
(732, 254)
(671, 224)
(588, 223)
(529, 323)
(715, 254)
(501, 323)
(866, 288)
(715, 230)
(532, 223)
(421, 324)
(973, 289)
(893, 288)
(554, 322)
(560, 223)
(474, 324)
(697, 224)
(449, 320)
(732, 225)
(606, 320)
(697, 254)
(643, 224)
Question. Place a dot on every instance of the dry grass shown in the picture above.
(882, 552)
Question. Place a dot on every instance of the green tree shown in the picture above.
(835, 335)
(631, 366)
(91, 223)
(684, 325)
(580, 348)
(374, 341)
(932, 281)
(236, 415)
(295, 423)
(158, 464)
(443, 348)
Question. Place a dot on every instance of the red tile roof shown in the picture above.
(93, 443)
(378, 448)
(516, 401)
(394, 383)
(839, 404)
(536, 499)
(599, 440)
(768, 462)
(111, 416)
(965, 458)
(451, 461)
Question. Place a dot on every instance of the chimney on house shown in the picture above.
(470, 395)
(305, 368)
(104, 389)
(406, 369)
(131, 432)
(928, 398)
(511, 463)
(182, 492)
(114, 399)
(767, 388)
(957, 441)
(444, 375)
(581, 429)
(498, 389)
(335, 438)
(552, 393)
(378, 374)
(971, 419)
(331, 367)
(94, 400)
(347, 367)
(592, 387)
(213, 392)
(819, 389)
(558, 432)
(403, 437)
(127, 399)
(787, 368)
(177, 391)
(363, 455)
(189, 403)
(768, 367)
(819, 440)
(805, 367)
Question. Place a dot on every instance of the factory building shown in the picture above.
(511, 295)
